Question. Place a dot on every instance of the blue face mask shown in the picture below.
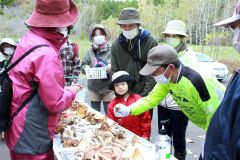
(161, 79)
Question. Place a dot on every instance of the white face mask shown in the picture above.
(130, 34)
(236, 43)
(174, 42)
(63, 31)
(9, 50)
(98, 40)
(161, 79)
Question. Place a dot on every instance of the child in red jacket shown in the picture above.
(122, 84)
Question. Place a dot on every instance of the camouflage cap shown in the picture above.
(129, 16)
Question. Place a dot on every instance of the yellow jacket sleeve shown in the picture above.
(154, 97)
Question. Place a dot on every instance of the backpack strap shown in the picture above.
(33, 85)
(8, 62)
(23, 56)
(33, 92)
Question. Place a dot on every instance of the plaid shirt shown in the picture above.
(71, 63)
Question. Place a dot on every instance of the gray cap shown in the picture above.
(129, 16)
(98, 26)
(158, 56)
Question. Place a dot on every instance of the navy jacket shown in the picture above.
(223, 136)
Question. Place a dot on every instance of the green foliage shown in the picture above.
(89, 4)
(84, 45)
(223, 54)
(14, 19)
(182, 10)
(6, 3)
(198, 15)
(114, 29)
(90, 13)
(219, 38)
(113, 8)
(159, 2)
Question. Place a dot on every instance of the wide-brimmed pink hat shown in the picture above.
(235, 17)
(53, 13)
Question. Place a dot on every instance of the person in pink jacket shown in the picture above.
(122, 84)
(30, 137)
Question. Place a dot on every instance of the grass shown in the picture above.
(84, 45)
(224, 54)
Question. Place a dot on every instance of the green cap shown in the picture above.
(129, 16)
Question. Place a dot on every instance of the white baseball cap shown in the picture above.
(121, 76)
(8, 41)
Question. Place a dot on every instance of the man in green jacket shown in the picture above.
(197, 95)
(130, 50)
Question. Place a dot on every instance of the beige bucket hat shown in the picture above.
(176, 27)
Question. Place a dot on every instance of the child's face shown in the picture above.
(121, 88)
